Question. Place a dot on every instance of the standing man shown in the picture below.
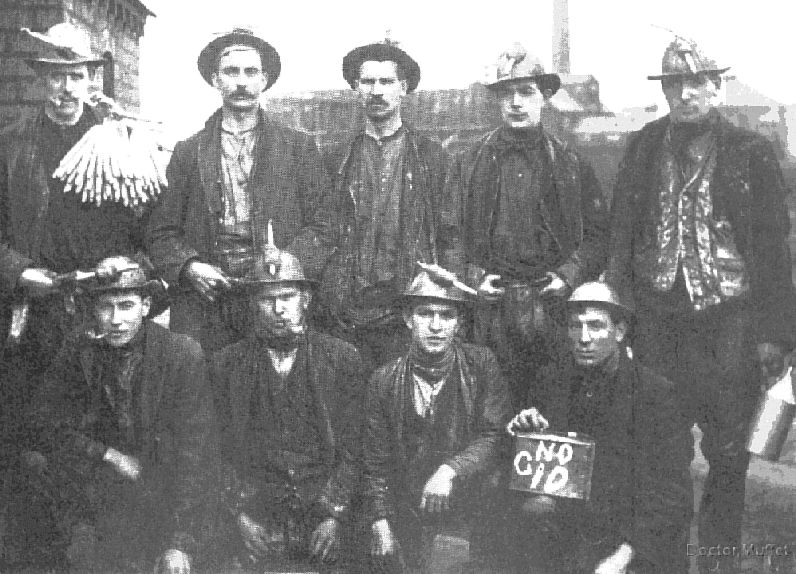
(43, 232)
(388, 180)
(226, 182)
(435, 419)
(699, 240)
(640, 505)
(533, 223)
(289, 399)
(129, 436)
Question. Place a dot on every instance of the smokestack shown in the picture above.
(561, 36)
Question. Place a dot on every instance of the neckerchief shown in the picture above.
(429, 373)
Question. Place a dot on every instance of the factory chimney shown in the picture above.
(561, 36)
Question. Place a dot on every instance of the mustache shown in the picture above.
(242, 93)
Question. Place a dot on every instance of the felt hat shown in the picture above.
(133, 278)
(517, 64)
(682, 58)
(381, 52)
(210, 54)
(62, 44)
(598, 294)
(431, 285)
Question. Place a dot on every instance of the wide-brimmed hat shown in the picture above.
(381, 52)
(274, 266)
(517, 64)
(682, 58)
(62, 44)
(598, 294)
(208, 57)
(133, 278)
(430, 285)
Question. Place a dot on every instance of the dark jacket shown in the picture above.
(578, 226)
(424, 229)
(747, 190)
(288, 184)
(178, 446)
(25, 202)
(486, 400)
(336, 379)
(641, 486)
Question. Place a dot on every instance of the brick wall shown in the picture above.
(114, 26)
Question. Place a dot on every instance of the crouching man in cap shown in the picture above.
(129, 436)
(435, 420)
(639, 511)
(226, 182)
(699, 240)
(388, 180)
(289, 399)
(533, 223)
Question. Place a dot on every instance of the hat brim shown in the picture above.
(550, 82)
(381, 53)
(249, 285)
(208, 57)
(684, 74)
(37, 63)
(151, 287)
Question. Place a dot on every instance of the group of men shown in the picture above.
(349, 339)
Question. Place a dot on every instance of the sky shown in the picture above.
(613, 40)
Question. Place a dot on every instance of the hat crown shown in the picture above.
(597, 293)
(133, 276)
(427, 285)
(682, 57)
(63, 43)
(275, 265)
(515, 64)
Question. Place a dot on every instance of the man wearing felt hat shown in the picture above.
(640, 504)
(435, 419)
(44, 231)
(699, 230)
(532, 222)
(299, 393)
(388, 182)
(127, 427)
(226, 182)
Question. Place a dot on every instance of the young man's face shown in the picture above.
(120, 316)
(433, 326)
(690, 98)
(521, 103)
(66, 89)
(240, 78)
(595, 336)
(279, 310)
(380, 90)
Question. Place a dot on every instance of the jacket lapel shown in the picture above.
(209, 160)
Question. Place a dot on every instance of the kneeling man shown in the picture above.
(435, 419)
(129, 436)
(289, 400)
(639, 511)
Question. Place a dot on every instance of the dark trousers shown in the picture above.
(711, 357)
(526, 332)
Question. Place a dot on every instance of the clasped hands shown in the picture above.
(324, 542)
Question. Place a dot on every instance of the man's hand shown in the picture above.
(325, 540)
(771, 359)
(37, 282)
(557, 286)
(126, 465)
(174, 562)
(382, 541)
(207, 279)
(253, 534)
(487, 288)
(436, 493)
(617, 562)
(527, 420)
